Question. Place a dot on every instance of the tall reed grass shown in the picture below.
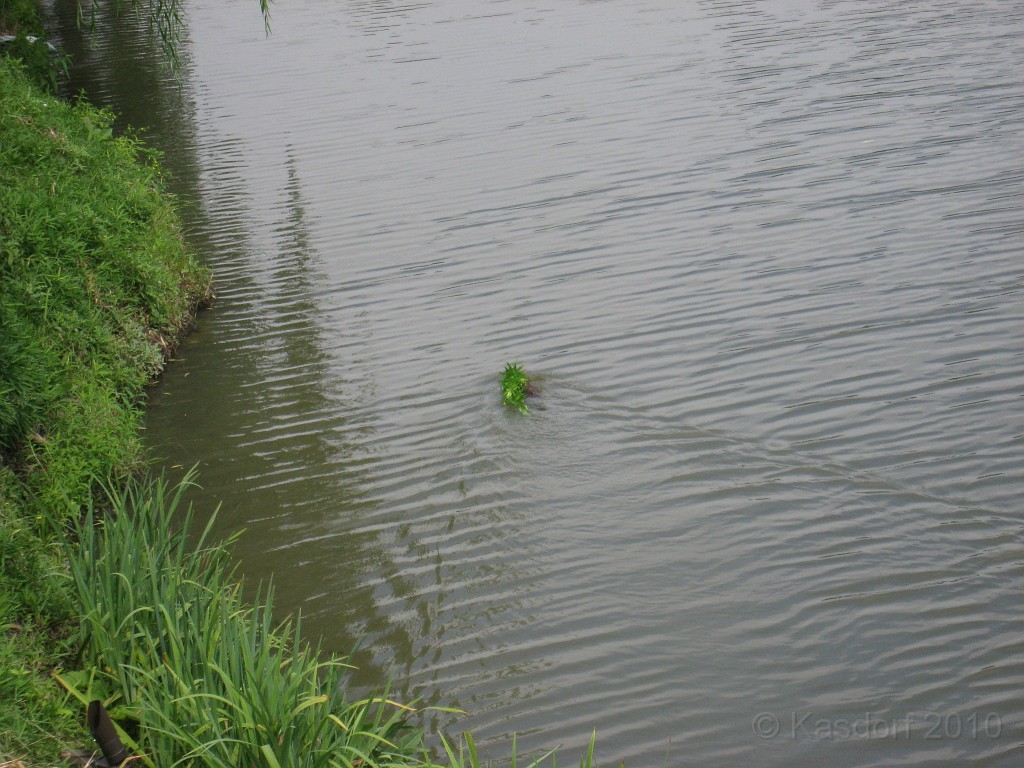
(201, 677)
(209, 678)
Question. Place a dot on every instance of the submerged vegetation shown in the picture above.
(515, 387)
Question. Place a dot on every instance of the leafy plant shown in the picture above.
(515, 386)
(19, 16)
(205, 678)
(41, 61)
(198, 676)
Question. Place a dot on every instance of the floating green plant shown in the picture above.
(515, 387)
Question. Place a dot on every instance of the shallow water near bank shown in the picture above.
(764, 261)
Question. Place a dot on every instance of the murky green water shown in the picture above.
(765, 261)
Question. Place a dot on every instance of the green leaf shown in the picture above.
(269, 754)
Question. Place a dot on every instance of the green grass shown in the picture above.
(515, 386)
(95, 283)
(34, 605)
(94, 279)
(199, 677)
(204, 677)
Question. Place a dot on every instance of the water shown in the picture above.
(764, 261)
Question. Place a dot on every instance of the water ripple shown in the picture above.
(762, 260)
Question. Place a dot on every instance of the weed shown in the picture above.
(43, 64)
(19, 16)
(515, 386)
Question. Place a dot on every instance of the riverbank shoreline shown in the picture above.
(109, 589)
(96, 291)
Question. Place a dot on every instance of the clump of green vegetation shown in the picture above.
(23, 38)
(200, 674)
(197, 676)
(515, 387)
(19, 16)
(42, 63)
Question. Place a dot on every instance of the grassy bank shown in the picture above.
(95, 286)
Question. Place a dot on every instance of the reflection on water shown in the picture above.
(764, 260)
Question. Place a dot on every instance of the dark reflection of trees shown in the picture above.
(122, 69)
(265, 400)
(264, 411)
(270, 417)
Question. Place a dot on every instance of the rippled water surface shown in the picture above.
(765, 261)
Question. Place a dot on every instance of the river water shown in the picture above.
(765, 262)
